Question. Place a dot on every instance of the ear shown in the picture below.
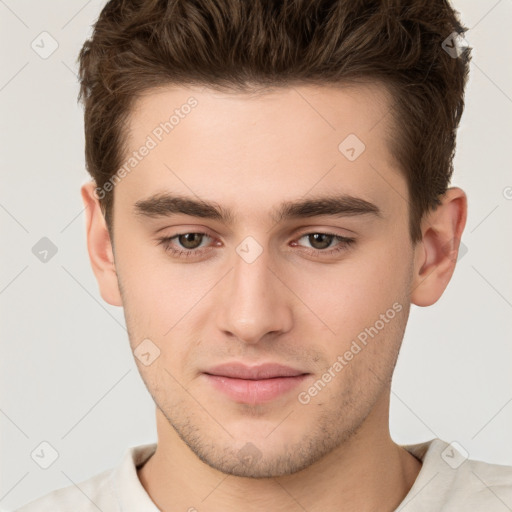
(99, 247)
(436, 253)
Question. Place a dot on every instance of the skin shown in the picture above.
(248, 153)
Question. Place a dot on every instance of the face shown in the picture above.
(300, 256)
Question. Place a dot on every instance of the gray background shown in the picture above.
(67, 374)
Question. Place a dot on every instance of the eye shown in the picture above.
(321, 242)
(185, 245)
(190, 240)
(189, 244)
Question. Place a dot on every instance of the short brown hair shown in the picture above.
(242, 45)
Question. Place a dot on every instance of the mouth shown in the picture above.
(254, 384)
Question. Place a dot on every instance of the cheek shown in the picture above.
(161, 300)
(350, 295)
(334, 300)
(157, 290)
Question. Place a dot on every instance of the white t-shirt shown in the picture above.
(447, 482)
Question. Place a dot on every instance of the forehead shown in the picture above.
(294, 139)
(358, 108)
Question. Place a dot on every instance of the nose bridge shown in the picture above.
(254, 301)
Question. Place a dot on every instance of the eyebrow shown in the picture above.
(167, 205)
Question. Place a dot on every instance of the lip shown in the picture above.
(254, 384)
(262, 371)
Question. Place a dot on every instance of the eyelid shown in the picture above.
(326, 230)
(181, 233)
(343, 245)
(344, 242)
(308, 230)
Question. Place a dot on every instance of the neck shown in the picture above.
(367, 472)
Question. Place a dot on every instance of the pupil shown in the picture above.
(325, 240)
(187, 240)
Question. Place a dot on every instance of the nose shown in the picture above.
(255, 303)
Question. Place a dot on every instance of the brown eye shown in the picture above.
(321, 244)
(320, 240)
(185, 245)
(190, 240)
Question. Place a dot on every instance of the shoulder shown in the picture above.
(112, 490)
(484, 484)
(87, 496)
(450, 479)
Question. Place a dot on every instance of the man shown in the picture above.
(269, 197)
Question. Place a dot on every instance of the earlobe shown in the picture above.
(99, 246)
(436, 254)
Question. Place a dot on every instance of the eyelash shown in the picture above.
(344, 244)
